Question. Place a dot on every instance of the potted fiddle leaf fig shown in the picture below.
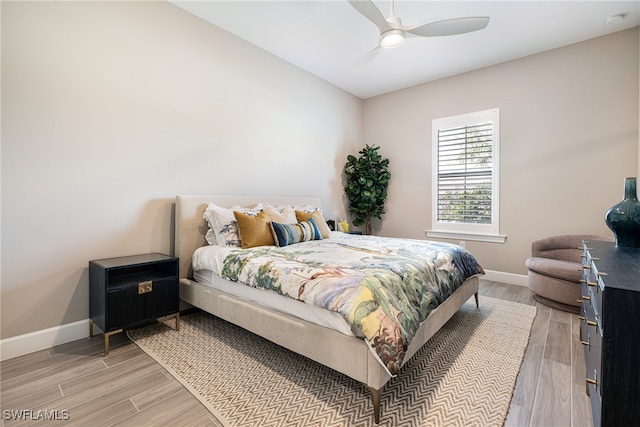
(366, 187)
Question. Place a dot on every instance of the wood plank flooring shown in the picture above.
(125, 388)
(128, 388)
(550, 390)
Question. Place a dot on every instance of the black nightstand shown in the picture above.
(132, 290)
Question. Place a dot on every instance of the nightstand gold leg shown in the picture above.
(106, 340)
(177, 317)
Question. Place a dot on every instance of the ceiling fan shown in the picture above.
(393, 33)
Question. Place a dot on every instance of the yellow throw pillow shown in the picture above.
(254, 230)
(320, 222)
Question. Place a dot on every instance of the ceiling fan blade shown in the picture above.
(366, 59)
(450, 27)
(371, 12)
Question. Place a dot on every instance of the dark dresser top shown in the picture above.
(132, 260)
(620, 263)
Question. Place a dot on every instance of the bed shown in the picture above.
(342, 347)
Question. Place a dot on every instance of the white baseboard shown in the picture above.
(40, 340)
(510, 278)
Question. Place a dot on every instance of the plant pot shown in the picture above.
(624, 217)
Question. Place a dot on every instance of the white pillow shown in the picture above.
(306, 208)
(223, 229)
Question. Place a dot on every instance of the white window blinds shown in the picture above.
(466, 173)
(465, 161)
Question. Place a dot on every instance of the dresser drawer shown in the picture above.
(592, 285)
(589, 325)
(593, 357)
(596, 290)
(596, 408)
(592, 343)
(593, 361)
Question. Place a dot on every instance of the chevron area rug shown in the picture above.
(464, 376)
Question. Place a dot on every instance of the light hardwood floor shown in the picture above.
(128, 388)
(125, 388)
(550, 390)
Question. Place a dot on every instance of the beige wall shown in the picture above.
(110, 109)
(569, 129)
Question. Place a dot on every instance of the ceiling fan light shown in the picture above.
(392, 38)
(614, 20)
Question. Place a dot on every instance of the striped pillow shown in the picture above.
(287, 234)
(320, 222)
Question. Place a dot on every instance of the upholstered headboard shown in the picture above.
(191, 226)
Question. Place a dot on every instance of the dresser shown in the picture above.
(610, 331)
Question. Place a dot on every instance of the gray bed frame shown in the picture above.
(346, 354)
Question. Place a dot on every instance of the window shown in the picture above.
(465, 176)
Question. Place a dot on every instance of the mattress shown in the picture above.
(310, 313)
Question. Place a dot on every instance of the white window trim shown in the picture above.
(490, 238)
(478, 232)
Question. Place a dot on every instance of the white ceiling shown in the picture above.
(326, 38)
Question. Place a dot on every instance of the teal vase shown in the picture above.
(624, 218)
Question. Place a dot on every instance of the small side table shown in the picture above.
(132, 290)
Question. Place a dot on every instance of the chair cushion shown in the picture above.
(565, 270)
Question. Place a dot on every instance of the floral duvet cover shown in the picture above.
(386, 287)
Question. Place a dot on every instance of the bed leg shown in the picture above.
(477, 302)
(375, 397)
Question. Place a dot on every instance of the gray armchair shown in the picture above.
(555, 270)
